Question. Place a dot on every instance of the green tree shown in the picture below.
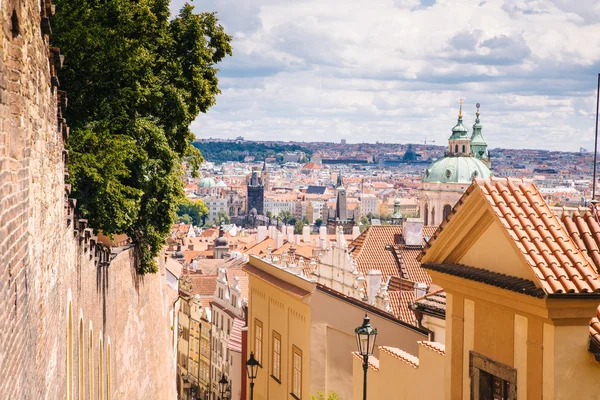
(322, 396)
(318, 222)
(196, 210)
(364, 223)
(136, 79)
(269, 214)
(285, 216)
(298, 227)
(185, 219)
(305, 221)
(223, 218)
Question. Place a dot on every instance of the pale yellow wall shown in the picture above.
(493, 252)
(397, 380)
(520, 354)
(576, 373)
(288, 316)
(332, 341)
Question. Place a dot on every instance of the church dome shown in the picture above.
(207, 183)
(456, 170)
(221, 184)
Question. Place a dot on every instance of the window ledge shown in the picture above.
(294, 396)
(276, 380)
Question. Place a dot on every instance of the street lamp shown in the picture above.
(223, 382)
(365, 339)
(252, 369)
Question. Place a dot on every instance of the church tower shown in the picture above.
(459, 144)
(478, 143)
(265, 176)
(341, 208)
(256, 195)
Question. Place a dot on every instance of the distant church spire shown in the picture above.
(478, 143)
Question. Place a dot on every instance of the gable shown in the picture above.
(493, 251)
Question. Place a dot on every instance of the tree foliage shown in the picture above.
(135, 80)
(223, 218)
(195, 210)
(323, 396)
(298, 227)
(219, 152)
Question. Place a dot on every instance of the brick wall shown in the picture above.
(48, 257)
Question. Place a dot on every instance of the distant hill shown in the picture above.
(219, 152)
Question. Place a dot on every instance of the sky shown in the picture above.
(394, 70)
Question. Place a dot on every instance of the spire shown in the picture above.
(339, 180)
(478, 143)
(460, 115)
(264, 168)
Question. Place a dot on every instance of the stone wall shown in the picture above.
(52, 271)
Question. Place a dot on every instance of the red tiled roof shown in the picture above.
(400, 303)
(401, 355)
(204, 285)
(371, 253)
(408, 258)
(557, 262)
(435, 346)
(235, 338)
(584, 228)
(429, 230)
(373, 362)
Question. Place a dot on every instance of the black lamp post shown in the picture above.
(223, 383)
(365, 339)
(252, 369)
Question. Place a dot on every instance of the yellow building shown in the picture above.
(302, 332)
(522, 285)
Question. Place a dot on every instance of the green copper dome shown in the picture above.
(459, 131)
(456, 170)
(207, 183)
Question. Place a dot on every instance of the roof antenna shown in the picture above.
(596, 142)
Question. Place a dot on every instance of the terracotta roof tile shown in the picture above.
(204, 285)
(372, 249)
(410, 266)
(435, 346)
(553, 252)
(401, 355)
(373, 362)
(400, 303)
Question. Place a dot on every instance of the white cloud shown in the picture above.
(393, 70)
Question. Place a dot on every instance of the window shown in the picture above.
(296, 372)
(228, 326)
(276, 360)
(456, 149)
(426, 215)
(491, 380)
(447, 210)
(463, 148)
(433, 215)
(258, 329)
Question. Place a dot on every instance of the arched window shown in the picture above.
(426, 215)
(447, 210)
(70, 351)
(81, 360)
(463, 148)
(433, 215)
(91, 361)
(101, 369)
(456, 148)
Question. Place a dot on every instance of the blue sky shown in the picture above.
(394, 70)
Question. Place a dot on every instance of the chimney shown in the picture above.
(298, 239)
(374, 279)
(261, 233)
(290, 229)
(290, 236)
(317, 242)
(278, 240)
(306, 234)
(323, 232)
(355, 232)
(413, 232)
